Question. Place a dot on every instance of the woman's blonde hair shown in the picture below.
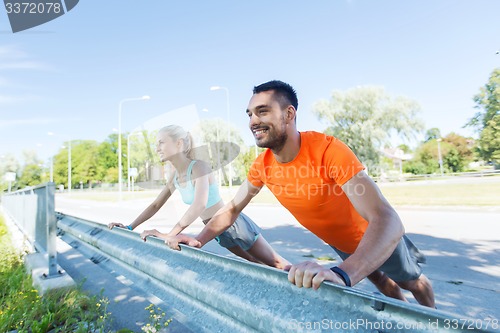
(178, 133)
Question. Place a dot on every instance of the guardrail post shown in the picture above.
(33, 212)
(50, 217)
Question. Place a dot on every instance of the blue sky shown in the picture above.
(69, 75)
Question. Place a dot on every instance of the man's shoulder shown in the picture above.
(313, 136)
(263, 158)
(317, 141)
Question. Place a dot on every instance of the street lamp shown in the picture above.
(51, 162)
(69, 163)
(128, 158)
(69, 166)
(213, 88)
(120, 139)
(439, 156)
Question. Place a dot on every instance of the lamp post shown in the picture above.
(213, 88)
(69, 163)
(440, 159)
(51, 162)
(120, 171)
(128, 158)
(69, 166)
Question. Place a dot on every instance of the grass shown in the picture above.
(456, 192)
(24, 310)
(485, 192)
(63, 311)
(452, 192)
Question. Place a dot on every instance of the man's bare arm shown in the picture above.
(226, 216)
(384, 229)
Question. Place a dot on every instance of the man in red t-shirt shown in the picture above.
(322, 183)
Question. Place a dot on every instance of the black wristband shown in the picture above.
(343, 275)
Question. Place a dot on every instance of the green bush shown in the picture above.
(24, 310)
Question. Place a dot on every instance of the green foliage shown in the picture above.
(432, 134)
(366, 117)
(108, 159)
(216, 130)
(405, 148)
(8, 163)
(453, 161)
(157, 322)
(22, 308)
(415, 167)
(243, 162)
(32, 174)
(463, 145)
(456, 152)
(427, 155)
(143, 156)
(489, 141)
(487, 121)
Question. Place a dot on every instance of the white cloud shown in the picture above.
(7, 99)
(30, 121)
(15, 99)
(11, 57)
(23, 65)
(11, 52)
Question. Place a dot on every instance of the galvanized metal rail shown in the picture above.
(33, 211)
(219, 294)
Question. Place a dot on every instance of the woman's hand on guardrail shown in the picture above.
(173, 242)
(116, 224)
(152, 232)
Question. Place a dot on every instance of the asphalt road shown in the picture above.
(462, 244)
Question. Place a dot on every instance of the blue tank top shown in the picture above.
(187, 192)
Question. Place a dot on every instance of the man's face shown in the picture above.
(267, 121)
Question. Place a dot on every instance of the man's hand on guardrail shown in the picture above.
(309, 274)
(173, 242)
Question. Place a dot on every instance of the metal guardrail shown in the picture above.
(219, 294)
(33, 211)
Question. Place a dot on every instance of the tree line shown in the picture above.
(366, 118)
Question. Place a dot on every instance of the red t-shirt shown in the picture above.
(310, 188)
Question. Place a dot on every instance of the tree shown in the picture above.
(489, 141)
(31, 175)
(215, 130)
(405, 148)
(84, 161)
(142, 153)
(32, 172)
(454, 151)
(432, 134)
(487, 121)
(8, 163)
(107, 156)
(366, 117)
(463, 145)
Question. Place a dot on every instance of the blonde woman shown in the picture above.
(197, 185)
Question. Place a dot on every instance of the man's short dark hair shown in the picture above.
(283, 92)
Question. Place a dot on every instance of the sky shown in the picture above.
(68, 76)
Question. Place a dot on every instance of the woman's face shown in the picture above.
(166, 147)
